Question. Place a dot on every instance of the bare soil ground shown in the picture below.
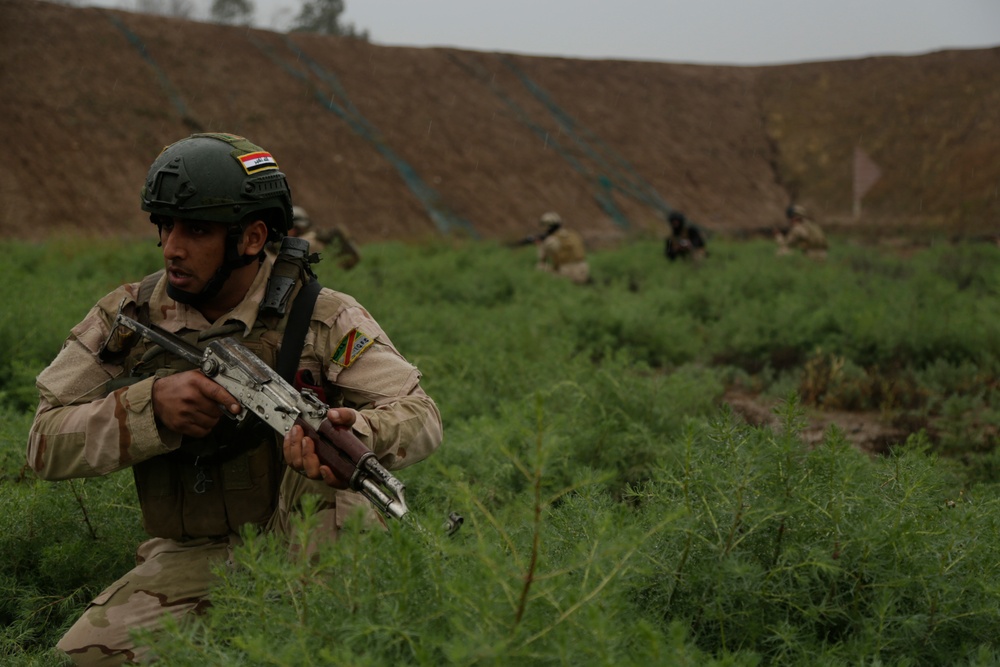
(409, 144)
(867, 431)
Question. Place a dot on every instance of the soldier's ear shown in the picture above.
(254, 237)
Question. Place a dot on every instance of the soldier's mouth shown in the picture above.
(178, 277)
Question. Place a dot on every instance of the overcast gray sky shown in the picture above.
(694, 31)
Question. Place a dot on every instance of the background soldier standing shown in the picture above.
(109, 401)
(346, 251)
(561, 250)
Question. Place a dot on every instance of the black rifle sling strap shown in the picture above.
(146, 288)
(295, 330)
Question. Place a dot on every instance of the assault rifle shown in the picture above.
(527, 240)
(532, 239)
(261, 391)
(346, 250)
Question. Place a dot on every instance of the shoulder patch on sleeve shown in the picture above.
(351, 347)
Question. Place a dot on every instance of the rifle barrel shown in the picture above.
(164, 339)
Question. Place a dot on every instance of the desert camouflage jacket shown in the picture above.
(806, 235)
(81, 430)
(564, 246)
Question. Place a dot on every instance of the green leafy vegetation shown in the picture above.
(616, 511)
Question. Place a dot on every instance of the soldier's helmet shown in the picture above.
(218, 177)
(676, 218)
(550, 218)
(795, 211)
(300, 219)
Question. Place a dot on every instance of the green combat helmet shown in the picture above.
(220, 178)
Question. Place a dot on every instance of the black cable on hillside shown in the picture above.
(337, 101)
(175, 98)
(621, 173)
(601, 192)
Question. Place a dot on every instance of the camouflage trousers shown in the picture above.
(578, 272)
(175, 578)
(170, 578)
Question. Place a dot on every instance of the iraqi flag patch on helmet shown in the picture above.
(351, 346)
(259, 161)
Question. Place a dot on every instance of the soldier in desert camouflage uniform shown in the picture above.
(803, 234)
(346, 252)
(561, 250)
(108, 404)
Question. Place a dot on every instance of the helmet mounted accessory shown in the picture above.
(224, 178)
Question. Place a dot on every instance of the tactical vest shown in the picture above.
(211, 486)
(570, 248)
(815, 239)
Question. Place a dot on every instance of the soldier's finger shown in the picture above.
(341, 416)
(310, 462)
(330, 478)
(292, 447)
(218, 393)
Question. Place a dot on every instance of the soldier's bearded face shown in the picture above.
(193, 251)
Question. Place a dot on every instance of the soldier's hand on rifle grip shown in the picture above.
(190, 403)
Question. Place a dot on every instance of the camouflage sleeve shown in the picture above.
(797, 237)
(547, 250)
(399, 421)
(79, 429)
(816, 237)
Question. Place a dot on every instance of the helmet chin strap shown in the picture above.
(232, 261)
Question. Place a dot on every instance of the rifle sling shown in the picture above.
(295, 330)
